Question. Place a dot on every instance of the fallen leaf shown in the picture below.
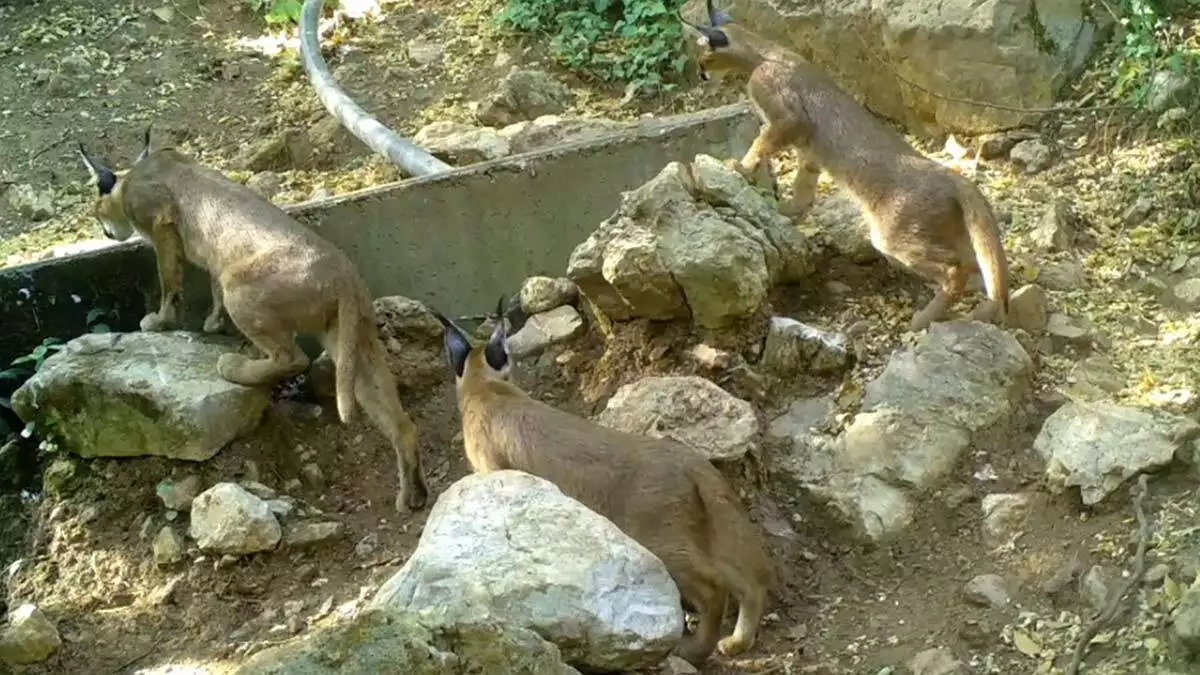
(954, 148)
(164, 14)
(1026, 644)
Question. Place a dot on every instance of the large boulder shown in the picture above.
(1098, 446)
(388, 642)
(510, 547)
(695, 241)
(689, 409)
(132, 394)
(962, 383)
(1016, 52)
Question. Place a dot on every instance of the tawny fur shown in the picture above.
(272, 276)
(665, 495)
(924, 217)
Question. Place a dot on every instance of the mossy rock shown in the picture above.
(380, 641)
(135, 394)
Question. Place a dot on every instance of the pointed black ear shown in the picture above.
(500, 307)
(457, 345)
(145, 144)
(496, 352)
(717, 17)
(104, 178)
(688, 25)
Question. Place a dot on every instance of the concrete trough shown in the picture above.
(455, 240)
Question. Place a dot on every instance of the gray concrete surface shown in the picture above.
(454, 240)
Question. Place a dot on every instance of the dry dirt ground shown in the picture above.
(99, 71)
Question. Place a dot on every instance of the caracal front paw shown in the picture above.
(732, 646)
(412, 498)
(736, 166)
(232, 367)
(154, 322)
(215, 323)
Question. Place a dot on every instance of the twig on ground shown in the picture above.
(390, 560)
(61, 138)
(1135, 578)
(129, 663)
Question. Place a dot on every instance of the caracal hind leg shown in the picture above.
(752, 604)
(987, 311)
(281, 356)
(954, 281)
(215, 322)
(708, 600)
(771, 139)
(375, 390)
(804, 189)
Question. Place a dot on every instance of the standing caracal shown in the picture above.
(663, 494)
(274, 278)
(924, 217)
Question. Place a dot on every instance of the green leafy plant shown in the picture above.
(277, 12)
(23, 367)
(1152, 41)
(20, 370)
(635, 41)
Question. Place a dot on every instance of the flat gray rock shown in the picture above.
(961, 382)
(1098, 446)
(134, 394)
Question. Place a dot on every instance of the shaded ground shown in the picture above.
(840, 606)
(99, 72)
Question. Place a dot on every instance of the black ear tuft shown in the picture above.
(105, 179)
(457, 345)
(495, 352)
(145, 144)
(717, 17)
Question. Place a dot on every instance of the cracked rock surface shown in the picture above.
(604, 600)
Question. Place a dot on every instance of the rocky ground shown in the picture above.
(996, 569)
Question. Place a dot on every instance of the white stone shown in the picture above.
(227, 519)
(29, 637)
(510, 546)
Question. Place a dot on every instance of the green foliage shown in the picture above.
(20, 370)
(23, 367)
(634, 41)
(1153, 41)
(278, 12)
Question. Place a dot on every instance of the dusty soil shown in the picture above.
(98, 72)
(215, 81)
(840, 606)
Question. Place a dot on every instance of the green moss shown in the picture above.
(57, 477)
(1041, 38)
(387, 642)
